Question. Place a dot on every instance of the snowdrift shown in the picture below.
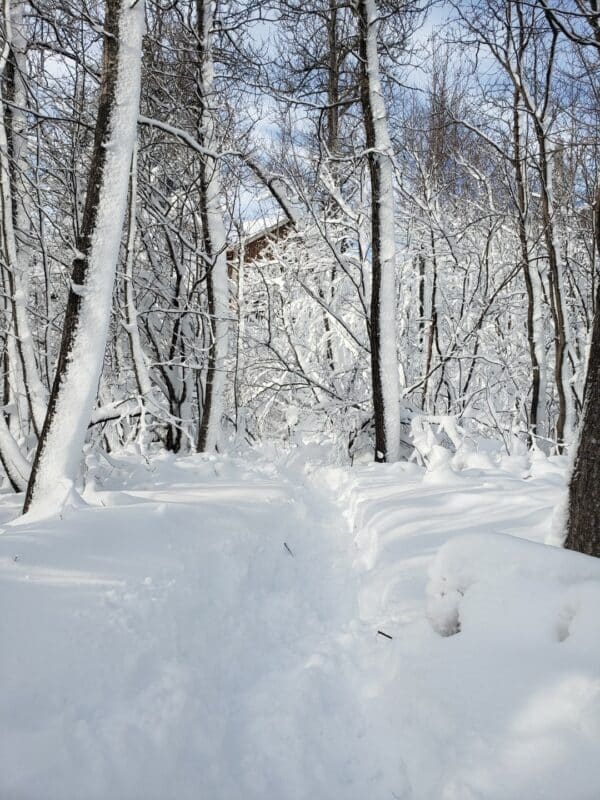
(208, 628)
(506, 586)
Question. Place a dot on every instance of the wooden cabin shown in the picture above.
(258, 236)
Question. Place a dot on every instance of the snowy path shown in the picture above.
(173, 647)
(166, 644)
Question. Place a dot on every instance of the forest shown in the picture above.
(300, 399)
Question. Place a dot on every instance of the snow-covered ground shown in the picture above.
(208, 628)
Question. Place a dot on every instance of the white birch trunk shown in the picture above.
(15, 465)
(15, 252)
(539, 343)
(384, 357)
(215, 243)
(565, 368)
(19, 419)
(82, 353)
(140, 364)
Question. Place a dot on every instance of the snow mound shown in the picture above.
(492, 584)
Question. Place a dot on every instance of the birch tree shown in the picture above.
(213, 235)
(384, 357)
(20, 350)
(81, 356)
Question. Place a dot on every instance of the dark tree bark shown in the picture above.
(583, 508)
(583, 524)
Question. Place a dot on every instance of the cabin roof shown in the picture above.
(263, 226)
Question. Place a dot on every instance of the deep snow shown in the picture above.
(207, 628)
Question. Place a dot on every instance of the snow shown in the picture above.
(261, 226)
(208, 627)
(486, 565)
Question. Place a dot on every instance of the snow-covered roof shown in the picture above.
(261, 226)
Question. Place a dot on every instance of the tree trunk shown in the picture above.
(12, 197)
(140, 363)
(384, 357)
(213, 234)
(583, 523)
(564, 424)
(89, 305)
(535, 322)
